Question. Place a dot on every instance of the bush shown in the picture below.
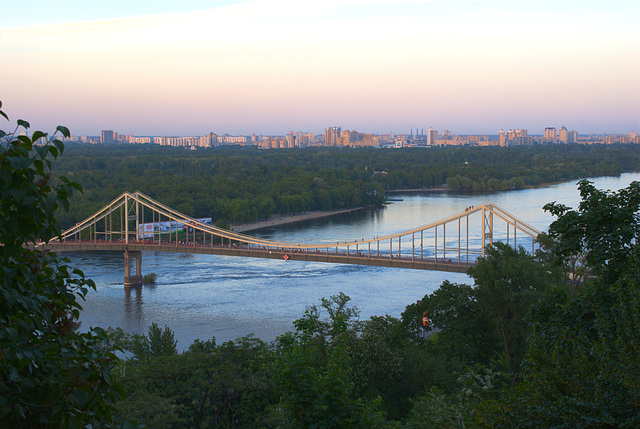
(149, 278)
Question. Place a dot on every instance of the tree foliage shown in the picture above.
(50, 375)
(205, 386)
(312, 374)
(583, 362)
(605, 228)
(243, 184)
(507, 282)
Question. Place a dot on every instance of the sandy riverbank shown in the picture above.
(436, 189)
(277, 219)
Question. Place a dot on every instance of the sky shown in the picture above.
(190, 67)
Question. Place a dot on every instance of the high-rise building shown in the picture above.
(432, 136)
(333, 136)
(502, 137)
(573, 136)
(370, 140)
(291, 141)
(517, 138)
(564, 135)
(107, 136)
(549, 135)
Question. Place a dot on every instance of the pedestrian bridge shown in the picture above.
(134, 222)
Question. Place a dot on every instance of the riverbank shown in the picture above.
(426, 190)
(277, 219)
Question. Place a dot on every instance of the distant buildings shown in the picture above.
(356, 139)
(107, 136)
(337, 137)
(549, 135)
(140, 140)
(332, 136)
(567, 136)
(517, 137)
(432, 137)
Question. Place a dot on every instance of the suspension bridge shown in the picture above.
(134, 223)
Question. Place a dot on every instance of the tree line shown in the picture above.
(244, 184)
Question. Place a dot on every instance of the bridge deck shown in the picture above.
(254, 252)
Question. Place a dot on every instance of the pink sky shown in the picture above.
(272, 66)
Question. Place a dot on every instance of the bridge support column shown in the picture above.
(130, 280)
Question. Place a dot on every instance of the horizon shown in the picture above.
(492, 136)
(272, 66)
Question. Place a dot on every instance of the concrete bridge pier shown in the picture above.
(129, 280)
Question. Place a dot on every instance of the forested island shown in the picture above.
(244, 184)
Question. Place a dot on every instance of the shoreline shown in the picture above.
(278, 220)
(435, 189)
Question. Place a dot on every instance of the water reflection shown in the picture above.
(133, 306)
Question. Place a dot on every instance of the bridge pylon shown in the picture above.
(135, 280)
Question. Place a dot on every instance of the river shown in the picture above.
(205, 296)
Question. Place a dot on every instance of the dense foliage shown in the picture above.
(523, 347)
(243, 184)
(50, 375)
(582, 367)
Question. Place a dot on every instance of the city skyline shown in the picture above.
(273, 66)
(336, 136)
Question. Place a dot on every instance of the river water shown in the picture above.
(205, 296)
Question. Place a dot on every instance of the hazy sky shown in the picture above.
(187, 67)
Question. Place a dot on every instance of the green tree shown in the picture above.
(606, 228)
(465, 331)
(571, 267)
(459, 335)
(206, 386)
(162, 342)
(313, 376)
(377, 362)
(582, 367)
(50, 375)
(437, 409)
(507, 282)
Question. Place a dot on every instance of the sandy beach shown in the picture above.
(284, 219)
(435, 189)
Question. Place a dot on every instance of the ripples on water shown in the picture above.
(204, 296)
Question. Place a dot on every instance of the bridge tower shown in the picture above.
(129, 280)
(487, 228)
